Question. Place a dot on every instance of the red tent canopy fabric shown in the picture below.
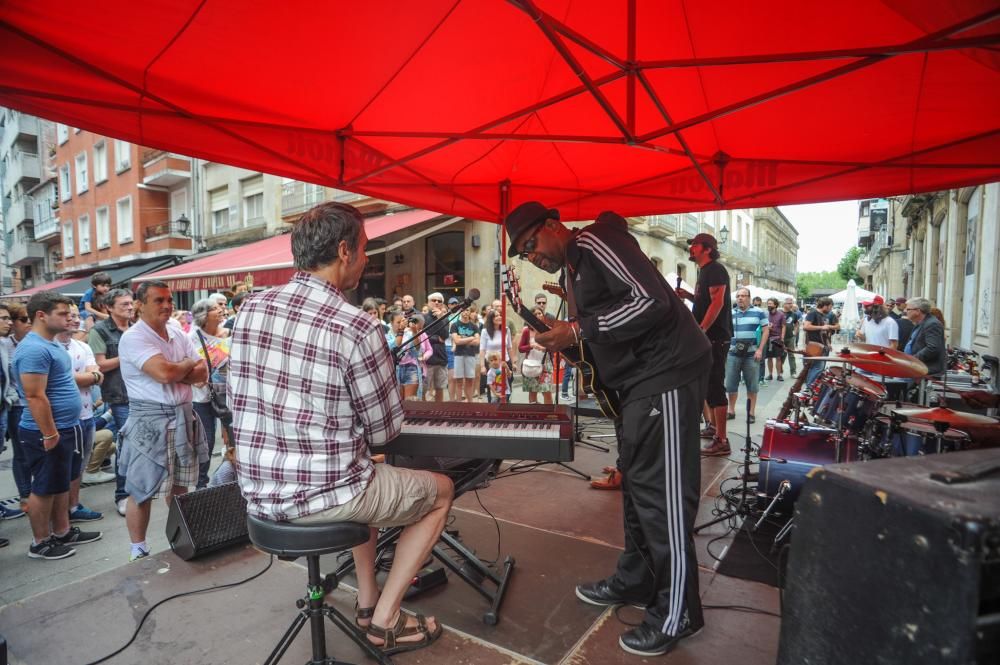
(469, 108)
(263, 263)
(51, 286)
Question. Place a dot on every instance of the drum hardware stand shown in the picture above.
(743, 508)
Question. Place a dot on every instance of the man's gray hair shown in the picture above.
(743, 288)
(201, 309)
(923, 304)
(114, 294)
(316, 236)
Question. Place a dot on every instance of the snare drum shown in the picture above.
(789, 453)
(913, 438)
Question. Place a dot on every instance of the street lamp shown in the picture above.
(723, 234)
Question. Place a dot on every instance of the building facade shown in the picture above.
(943, 246)
(26, 183)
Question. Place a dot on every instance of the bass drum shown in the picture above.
(851, 407)
(888, 439)
(789, 453)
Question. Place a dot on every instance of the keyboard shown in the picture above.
(484, 431)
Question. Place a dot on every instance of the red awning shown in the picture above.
(470, 108)
(263, 263)
(51, 286)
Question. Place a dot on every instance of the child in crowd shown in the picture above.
(497, 378)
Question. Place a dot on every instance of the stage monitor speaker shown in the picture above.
(207, 520)
(896, 561)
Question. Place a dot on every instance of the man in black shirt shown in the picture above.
(819, 328)
(712, 298)
(648, 348)
(898, 312)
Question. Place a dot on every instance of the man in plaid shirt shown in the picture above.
(312, 386)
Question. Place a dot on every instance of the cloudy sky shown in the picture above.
(826, 232)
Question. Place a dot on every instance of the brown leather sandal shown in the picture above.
(389, 636)
(363, 613)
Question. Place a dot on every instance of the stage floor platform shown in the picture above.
(559, 530)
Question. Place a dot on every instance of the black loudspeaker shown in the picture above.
(207, 520)
(896, 561)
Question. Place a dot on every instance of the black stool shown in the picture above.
(288, 542)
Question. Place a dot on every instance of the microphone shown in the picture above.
(678, 283)
(472, 297)
(783, 489)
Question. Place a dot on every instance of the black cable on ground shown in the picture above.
(180, 595)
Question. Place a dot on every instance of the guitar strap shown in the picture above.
(568, 289)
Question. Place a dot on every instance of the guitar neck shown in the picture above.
(533, 322)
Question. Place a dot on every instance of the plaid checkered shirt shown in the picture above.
(311, 385)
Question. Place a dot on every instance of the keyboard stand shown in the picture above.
(471, 570)
(578, 433)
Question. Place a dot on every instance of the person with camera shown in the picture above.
(744, 356)
(209, 399)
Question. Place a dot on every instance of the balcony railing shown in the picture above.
(166, 229)
(23, 165)
(46, 227)
(19, 126)
(300, 196)
(20, 211)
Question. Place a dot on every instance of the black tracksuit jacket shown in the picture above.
(643, 339)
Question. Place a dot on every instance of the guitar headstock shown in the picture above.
(512, 287)
(554, 289)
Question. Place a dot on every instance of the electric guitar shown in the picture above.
(576, 355)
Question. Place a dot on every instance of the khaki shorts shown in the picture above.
(437, 377)
(394, 497)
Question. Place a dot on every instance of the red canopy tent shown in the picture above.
(469, 108)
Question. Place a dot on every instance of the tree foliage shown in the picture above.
(847, 268)
(810, 281)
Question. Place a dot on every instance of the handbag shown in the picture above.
(532, 364)
(215, 401)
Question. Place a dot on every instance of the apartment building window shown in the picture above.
(253, 200)
(103, 228)
(179, 204)
(123, 155)
(84, 234)
(100, 162)
(123, 216)
(65, 189)
(218, 205)
(67, 236)
(62, 133)
(81, 173)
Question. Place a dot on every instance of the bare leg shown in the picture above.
(137, 519)
(707, 414)
(60, 512)
(732, 402)
(364, 570)
(40, 515)
(412, 548)
(547, 397)
(719, 417)
(753, 404)
(74, 492)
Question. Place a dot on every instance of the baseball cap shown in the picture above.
(453, 300)
(877, 300)
(706, 239)
(900, 301)
(523, 219)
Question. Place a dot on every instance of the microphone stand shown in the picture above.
(743, 508)
(400, 351)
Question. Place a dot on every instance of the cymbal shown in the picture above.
(914, 367)
(880, 360)
(944, 415)
(866, 385)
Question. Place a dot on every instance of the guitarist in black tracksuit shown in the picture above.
(648, 347)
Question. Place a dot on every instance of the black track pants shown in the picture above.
(659, 456)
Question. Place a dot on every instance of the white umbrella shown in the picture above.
(849, 318)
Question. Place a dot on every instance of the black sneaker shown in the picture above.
(644, 640)
(76, 537)
(601, 594)
(50, 549)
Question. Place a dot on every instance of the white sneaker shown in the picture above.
(98, 478)
(122, 503)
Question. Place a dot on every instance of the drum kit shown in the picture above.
(853, 419)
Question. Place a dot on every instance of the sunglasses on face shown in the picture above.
(530, 245)
(22, 319)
